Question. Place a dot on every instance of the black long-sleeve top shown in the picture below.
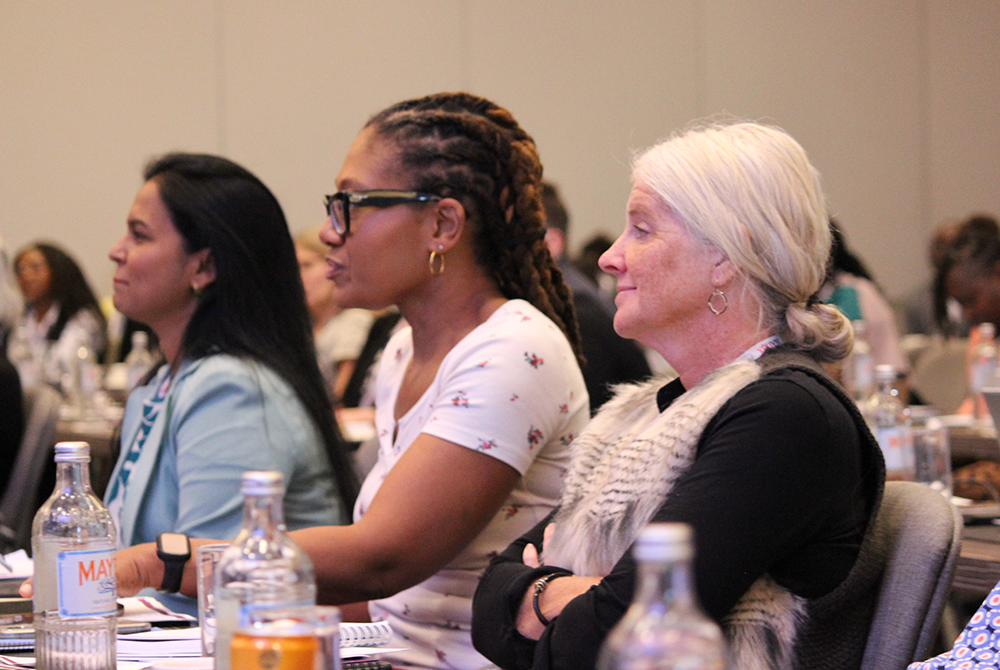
(781, 484)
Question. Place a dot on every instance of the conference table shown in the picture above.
(970, 444)
(978, 569)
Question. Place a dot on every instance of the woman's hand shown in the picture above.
(530, 555)
(26, 590)
(136, 568)
(557, 594)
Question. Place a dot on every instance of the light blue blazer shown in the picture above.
(223, 415)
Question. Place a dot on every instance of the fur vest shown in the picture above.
(627, 461)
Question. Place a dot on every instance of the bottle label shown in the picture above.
(249, 608)
(897, 447)
(87, 583)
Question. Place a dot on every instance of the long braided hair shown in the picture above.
(461, 146)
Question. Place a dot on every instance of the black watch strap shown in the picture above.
(174, 549)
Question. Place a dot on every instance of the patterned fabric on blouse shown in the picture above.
(40, 360)
(511, 389)
(978, 647)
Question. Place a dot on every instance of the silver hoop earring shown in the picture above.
(725, 302)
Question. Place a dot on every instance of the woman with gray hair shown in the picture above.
(753, 445)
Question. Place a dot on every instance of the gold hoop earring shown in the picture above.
(725, 302)
(439, 269)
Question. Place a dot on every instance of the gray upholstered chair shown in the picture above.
(17, 509)
(922, 533)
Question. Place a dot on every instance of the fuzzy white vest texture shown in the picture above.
(624, 465)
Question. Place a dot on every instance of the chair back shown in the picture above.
(940, 375)
(922, 535)
(17, 508)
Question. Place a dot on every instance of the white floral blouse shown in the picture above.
(511, 389)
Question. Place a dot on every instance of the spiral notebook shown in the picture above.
(375, 634)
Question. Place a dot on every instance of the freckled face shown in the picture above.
(663, 273)
(383, 259)
(155, 273)
(977, 291)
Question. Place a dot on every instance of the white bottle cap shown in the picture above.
(262, 483)
(72, 452)
(885, 373)
(664, 542)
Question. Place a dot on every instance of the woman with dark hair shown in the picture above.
(438, 212)
(208, 263)
(969, 272)
(61, 314)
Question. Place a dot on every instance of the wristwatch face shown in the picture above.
(174, 544)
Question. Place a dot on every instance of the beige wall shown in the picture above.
(897, 101)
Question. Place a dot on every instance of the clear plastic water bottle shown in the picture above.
(985, 370)
(859, 369)
(263, 567)
(73, 544)
(664, 628)
(890, 424)
(139, 360)
(81, 382)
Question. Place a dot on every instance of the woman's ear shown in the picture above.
(724, 272)
(449, 222)
(204, 273)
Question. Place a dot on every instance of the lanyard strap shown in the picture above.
(757, 350)
(150, 410)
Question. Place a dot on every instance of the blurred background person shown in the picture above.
(208, 263)
(969, 275)
(588, 262)
(608, 357)
(339, 335)
(919, 308)
(969, 272)
(11, 421)
(11, 408)
(60, 316)
(850, 287)
(10, 298)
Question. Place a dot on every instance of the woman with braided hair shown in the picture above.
(438, 212)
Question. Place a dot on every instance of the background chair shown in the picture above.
(17, 509)
(921, 532)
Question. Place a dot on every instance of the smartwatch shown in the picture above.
(174, 549)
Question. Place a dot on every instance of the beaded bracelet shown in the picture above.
(539, 587)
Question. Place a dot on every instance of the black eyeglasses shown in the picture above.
(339, 205)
